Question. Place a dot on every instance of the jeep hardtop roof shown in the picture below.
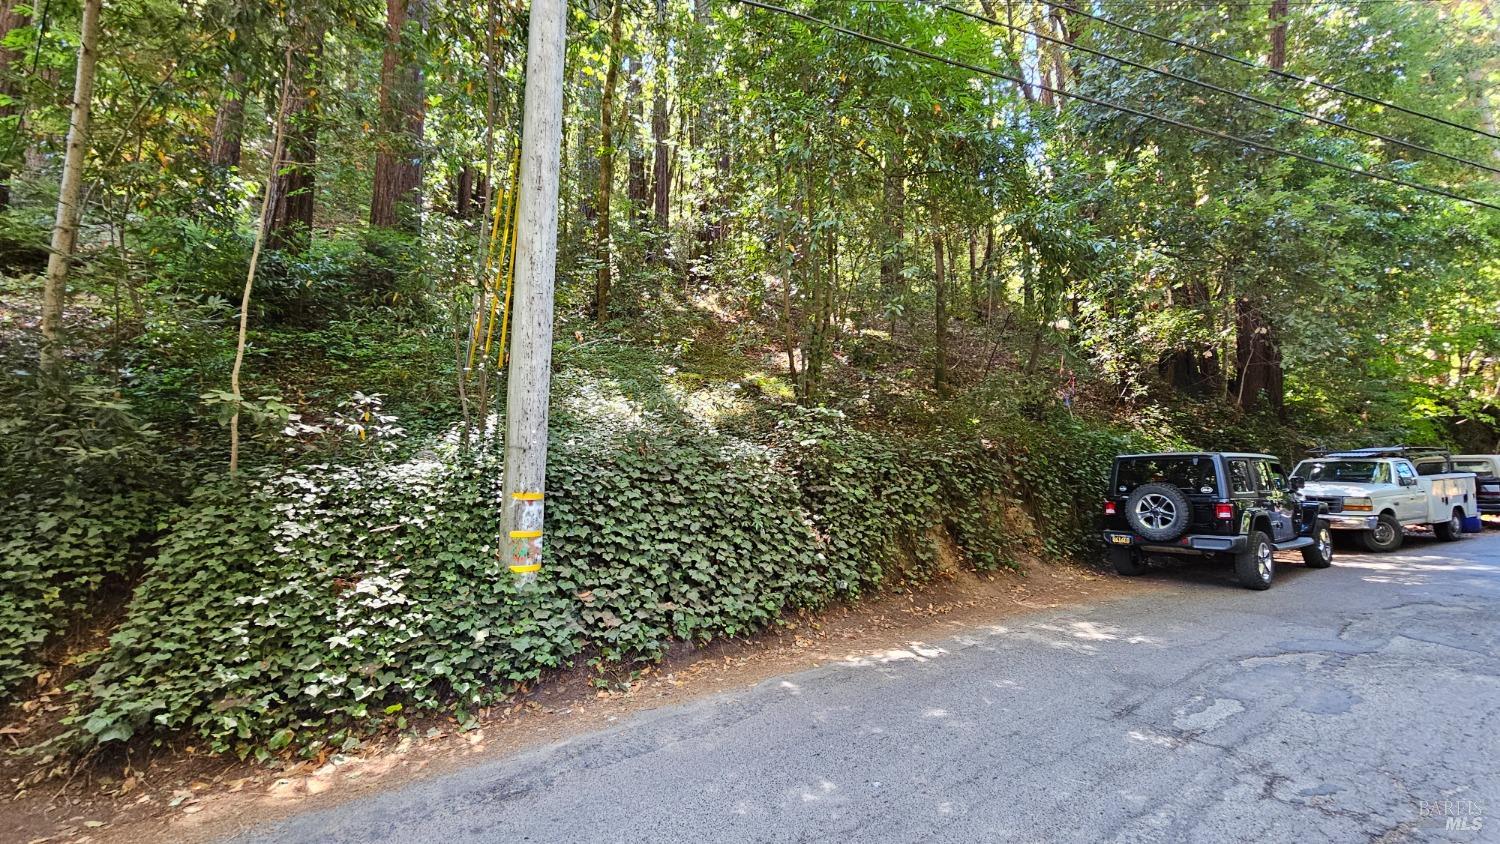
(1198, 454)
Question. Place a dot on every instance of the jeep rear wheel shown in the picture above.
(1319, 555)
(1386, 535)
(1126, 561)
(1451, 530)
(1256, 565)
(1158, 512)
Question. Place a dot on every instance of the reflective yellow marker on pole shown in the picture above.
(526, 536)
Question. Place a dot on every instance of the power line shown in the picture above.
(1212, 133)
(1293, 3)
(1327, 86)
(1249, 98)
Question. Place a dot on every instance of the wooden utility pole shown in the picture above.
(69, 193)
(530, 375)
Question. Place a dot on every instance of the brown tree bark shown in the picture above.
(1257, 352)
(294, 192)
(606, 167)
(1060, 69)
(894, 211)
(1257, 358)
(940, 315)
(661, 171)
(11, 18)
(463, 193)
(395, 202)
(636, 186)
(1277, 16)
(229, 123)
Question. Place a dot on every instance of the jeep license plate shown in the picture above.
(1119, 539)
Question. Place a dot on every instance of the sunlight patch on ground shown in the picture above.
(1154, 738)
(914, 651)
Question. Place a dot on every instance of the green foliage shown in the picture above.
(72, 436)
(880, 503)
(58, 554)
(322, 596)
(296, 608)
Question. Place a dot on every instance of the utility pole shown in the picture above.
(530, 374)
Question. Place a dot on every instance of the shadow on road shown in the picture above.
(1420, 555)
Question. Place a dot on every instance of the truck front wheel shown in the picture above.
(1451, 530)
(1386, 535)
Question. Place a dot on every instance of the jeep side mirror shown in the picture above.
(1408, 481)
(1297, 483)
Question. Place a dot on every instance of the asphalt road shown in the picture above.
(1359, 703)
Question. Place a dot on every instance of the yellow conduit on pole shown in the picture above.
(507, 241)
(510, 278)
(489, 260)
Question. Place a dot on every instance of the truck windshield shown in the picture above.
(1189, 474)
(1345, 471)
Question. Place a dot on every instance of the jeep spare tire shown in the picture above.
(1158, 512)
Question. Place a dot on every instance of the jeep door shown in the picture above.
(1276, 497)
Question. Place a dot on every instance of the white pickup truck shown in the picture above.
(1379, 491)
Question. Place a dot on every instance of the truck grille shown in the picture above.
(1335, 502)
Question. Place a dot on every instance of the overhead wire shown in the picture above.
(1250, 98)
(1202, 130)
(1284, 74)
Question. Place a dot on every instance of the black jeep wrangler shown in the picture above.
(1239, 507)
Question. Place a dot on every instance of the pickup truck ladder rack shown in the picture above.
(1407, 451)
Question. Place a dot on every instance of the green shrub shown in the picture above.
(286, 608)
(56, 553)
(293, 609)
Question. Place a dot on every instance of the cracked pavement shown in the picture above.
(1358, 703)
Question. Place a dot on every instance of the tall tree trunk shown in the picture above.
(396, 200)
(940, 315)
(463, 193)
(229, 123)
(636, 187)
(1258, 359)
(11, 18)
(70, 191)
(661, 171)
(295, 190)
(606, 166)
(1059, 53)
(1257, 352)
(1277, 16)
(893, 202)
(585, 156)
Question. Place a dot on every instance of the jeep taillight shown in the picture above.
(1110, 509)
(1224, 511)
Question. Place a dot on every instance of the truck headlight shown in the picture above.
(1359, 504)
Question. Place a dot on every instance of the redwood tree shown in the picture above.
(290, 220)
(11, 18)
(606, 165)
(396, 197)
(1257, 352)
